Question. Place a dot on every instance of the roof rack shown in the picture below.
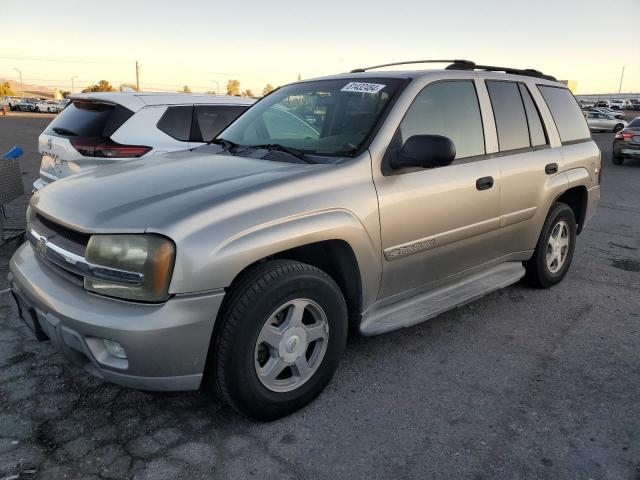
(466, 65)
(411, 62)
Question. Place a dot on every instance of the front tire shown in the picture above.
(282, 333)
(554, 250)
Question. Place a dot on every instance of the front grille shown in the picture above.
(64, 237)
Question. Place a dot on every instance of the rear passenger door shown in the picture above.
(210, 120)
(526, 162)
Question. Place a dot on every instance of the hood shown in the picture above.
(157, 191)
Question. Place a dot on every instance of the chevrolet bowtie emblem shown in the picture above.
(49, 144)
(41, 246)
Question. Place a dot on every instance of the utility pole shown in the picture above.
(21, 85)
(217, 86)
(72, 78)
(137, 76)
(621, 77)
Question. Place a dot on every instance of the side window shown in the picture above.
(508, 110)
(536, 129)
(448, 108)
(176, 122)
(210, 120)
(565, 112)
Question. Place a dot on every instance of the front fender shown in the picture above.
(230, 257)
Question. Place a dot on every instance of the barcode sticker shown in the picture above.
(362, 87)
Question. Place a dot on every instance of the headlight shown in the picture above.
(31, 214)
(149, 257)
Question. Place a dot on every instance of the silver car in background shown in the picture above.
(600, 122)
(98, 129)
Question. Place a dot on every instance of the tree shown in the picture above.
(247, 93)
(65, 93)
(185, 89)
(233, 88)
(268, 89)
(5, 89)
(102, 86)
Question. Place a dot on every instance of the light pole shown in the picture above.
(72, 78)
(21, 85)
(621, 77)
(217, 86)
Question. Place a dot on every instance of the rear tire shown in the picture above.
(245, 349)
(618, 127)
(617, 159)
(557, 240)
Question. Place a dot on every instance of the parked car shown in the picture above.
(10, 102)
(50, 106)
(602, 103)
(586, 104)
(634, 104)
(27, 105)
(599, 122)
(626, 144)
(249, 258)
(618, 104)
(102, 128)
(608, 111)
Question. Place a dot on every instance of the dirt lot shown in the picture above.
(521, 384)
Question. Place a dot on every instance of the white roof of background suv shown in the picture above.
(134, 101)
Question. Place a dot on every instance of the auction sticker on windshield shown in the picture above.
(362, 87)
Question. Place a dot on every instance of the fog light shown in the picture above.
(114, 348)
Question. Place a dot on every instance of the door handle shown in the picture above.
(551, 168)
(484, 183)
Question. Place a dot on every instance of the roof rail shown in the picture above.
(411, 62)
(529, 72)
(466, 65)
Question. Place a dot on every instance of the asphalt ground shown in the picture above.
(521, 384)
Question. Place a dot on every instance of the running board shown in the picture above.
(424, 306)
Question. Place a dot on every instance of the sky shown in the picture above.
(198, 43)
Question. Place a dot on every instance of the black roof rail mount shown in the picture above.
(466, 65)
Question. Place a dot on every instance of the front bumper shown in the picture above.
(166, 344)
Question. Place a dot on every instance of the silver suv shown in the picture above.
(368, 201)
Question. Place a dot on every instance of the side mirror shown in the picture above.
(425, 151)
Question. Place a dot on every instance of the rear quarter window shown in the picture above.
(566, 113)
(176, 122)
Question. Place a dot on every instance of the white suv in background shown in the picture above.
(101, 128)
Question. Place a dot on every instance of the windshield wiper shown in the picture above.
(227, 144)
(64, 131)
(281, 148)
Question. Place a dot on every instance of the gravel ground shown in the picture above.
(521, 384)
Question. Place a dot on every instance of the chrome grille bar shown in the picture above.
(78, 265)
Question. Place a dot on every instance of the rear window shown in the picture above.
(511, 120)
(635, 123)
(89, 119)
(210, 120)
(566, 113)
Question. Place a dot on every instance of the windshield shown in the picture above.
(324, 117)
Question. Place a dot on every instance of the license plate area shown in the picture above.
(29, 317)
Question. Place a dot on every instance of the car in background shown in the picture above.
(600, 122)
(584, 104)
(50, 106)
(634, 104)
(10, 102)
(602, 103)
(608, 111)
(618, 104)
(626, 143)
(27, 104)
(97, 129)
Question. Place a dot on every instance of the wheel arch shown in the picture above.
(577, 199)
